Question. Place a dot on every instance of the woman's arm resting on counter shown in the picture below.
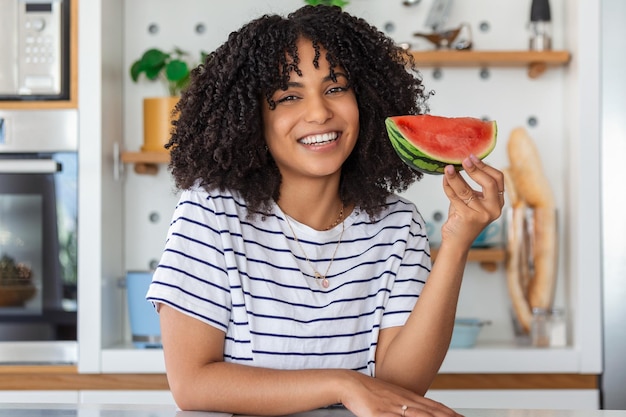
(200, 380)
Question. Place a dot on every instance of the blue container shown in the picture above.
(466, 332)
(144, 320)
(490, 236)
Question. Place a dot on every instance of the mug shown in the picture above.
(485, 238)
(144, 319)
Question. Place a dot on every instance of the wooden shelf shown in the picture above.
(488, 257)
(146, 162)
(536, 61)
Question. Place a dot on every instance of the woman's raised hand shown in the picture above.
(471, 210)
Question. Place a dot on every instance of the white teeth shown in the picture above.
(318, 139)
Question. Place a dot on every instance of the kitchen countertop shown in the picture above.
(103, 410)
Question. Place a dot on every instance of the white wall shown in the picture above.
(507, 95)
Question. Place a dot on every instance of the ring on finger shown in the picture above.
(469, 200)
(404, 408)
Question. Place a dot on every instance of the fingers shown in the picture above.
(456, 188)
(489, 178)
(461, 194)
(426, 407)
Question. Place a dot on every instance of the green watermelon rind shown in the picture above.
(412, 156)
(420, 161)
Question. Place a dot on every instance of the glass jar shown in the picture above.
(540, 327)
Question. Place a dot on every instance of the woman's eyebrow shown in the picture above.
(297, 84)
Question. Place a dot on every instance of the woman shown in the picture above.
(293, 276)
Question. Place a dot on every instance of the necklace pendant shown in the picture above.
(322, 280)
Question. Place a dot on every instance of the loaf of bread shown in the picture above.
(542, 285)
(527, 171)
(516, 256)
(532, 257)
(514, 269)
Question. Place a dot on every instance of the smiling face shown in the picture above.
(315, 124)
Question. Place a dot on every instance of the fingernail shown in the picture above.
(474, 158)
(468, 162)
(449, 170)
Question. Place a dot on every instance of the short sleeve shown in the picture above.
(415, 266)
(192, 275)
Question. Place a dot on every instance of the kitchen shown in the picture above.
(125, 214)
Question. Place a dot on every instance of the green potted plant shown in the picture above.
(173, 69)
(170, 67)
(339, 3)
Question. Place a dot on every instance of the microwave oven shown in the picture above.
(34, 52)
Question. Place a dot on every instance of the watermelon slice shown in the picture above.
(428, 143)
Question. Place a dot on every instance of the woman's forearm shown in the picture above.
(242, 389)
(412, 355)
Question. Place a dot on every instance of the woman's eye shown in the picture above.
(285, 99)
(337, 89)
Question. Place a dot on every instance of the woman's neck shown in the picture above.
(314, 203)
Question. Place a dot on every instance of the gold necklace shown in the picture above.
(337, 220)
(321, 279)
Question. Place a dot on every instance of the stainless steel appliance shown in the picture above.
(613, 147)
(34, 49)
(38, 234)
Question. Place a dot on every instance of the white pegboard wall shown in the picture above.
(506, 95)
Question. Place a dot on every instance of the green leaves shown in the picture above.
(339, 3)
(171, 67)
(176, 70)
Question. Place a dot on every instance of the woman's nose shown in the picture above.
(318, 110)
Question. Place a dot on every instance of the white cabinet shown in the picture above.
(89, 397)
(39, 397)
(127, 397)
(563, 103)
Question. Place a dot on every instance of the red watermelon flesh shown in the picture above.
(429, 143)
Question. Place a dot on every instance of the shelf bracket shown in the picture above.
(144, 168)
(536, 69)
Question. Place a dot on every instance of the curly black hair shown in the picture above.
(218, 139)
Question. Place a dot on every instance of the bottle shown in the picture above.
(540, 327)
(540, 26)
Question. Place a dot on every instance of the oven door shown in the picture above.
(38, 267)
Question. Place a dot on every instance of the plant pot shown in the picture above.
(16, 295)
(158, 113)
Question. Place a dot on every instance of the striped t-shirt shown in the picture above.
(251, 279)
